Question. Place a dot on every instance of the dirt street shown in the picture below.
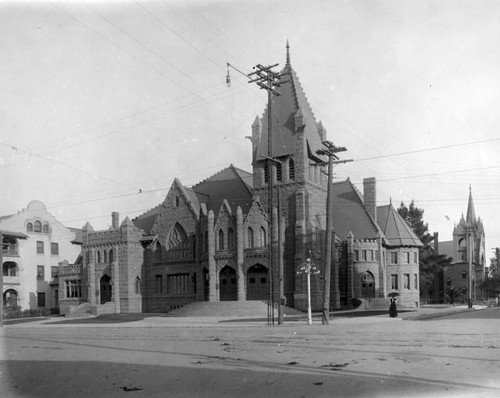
(179, 357)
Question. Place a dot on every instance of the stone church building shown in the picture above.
(211, 241)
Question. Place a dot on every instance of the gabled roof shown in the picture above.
(231, 184)
(350, 214)
(396, 230)
(146, 220)
(290, 102)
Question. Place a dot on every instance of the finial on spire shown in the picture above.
(287, 53)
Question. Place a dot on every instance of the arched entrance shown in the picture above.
(11, 298)
(257, 283)
(105, 289)
(367, 285)
(227, 284)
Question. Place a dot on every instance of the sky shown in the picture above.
(106, 102)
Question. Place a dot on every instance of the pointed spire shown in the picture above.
(287, 53)
(471, 212)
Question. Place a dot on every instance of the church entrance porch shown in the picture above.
(257, 283)
(105, 289)
(228, 285)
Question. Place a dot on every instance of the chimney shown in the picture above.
(115, 220)
(436, 242)
(370, 196)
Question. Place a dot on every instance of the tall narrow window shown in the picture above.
(394, 257)
(266, 172)
(158, 284)
(137, 285)
(394, 281)
(250, 241)
(39, 247)
(407, 281)
(279, 172)
(221, 239)
(230, 238)
(263, 237)
(40, 272)
(291, 170)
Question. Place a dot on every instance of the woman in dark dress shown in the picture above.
(393, 311)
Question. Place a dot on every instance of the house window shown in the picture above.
(394, 282)
(356, 255)
(10, 269)
(415, 258)
(230, 238)
(54, 272)
(41, 299)
(45, 228)
(29, 227)
(158, 284)
(415, 277)
(40, 272)
(291, 169)
(54, 248)
(250, 242)
(37, 226)
(394, 257)
(39, 247)
(221, 239)
(263, 237)
(137, 285)
(407, 281)
(363, 255)
(73, 288)
(406, 258)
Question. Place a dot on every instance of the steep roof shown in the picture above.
(291, 101)
(231, 184)
(350, 214)
(471, 212)
(146, 220)
(396, 230)
(447, 248)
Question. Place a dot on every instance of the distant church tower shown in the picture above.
(295, 175)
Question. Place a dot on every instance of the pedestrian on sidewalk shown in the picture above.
(393, 311)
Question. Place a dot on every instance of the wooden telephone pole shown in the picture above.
(330, 151)
(268, 80)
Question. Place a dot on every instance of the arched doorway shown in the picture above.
(257, 283)
(105, 289)
(227, 284)
(367, 285)
(11, 298)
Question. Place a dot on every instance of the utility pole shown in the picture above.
(330, 151)
(268, 80)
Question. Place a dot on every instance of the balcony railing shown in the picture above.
(10, 250)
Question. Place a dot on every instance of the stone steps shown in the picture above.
(250, 309)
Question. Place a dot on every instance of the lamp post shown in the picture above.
(308, 268)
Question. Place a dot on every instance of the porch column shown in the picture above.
(213, 283)
(91, 277)
(240, 244)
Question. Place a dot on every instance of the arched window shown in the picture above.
(263, 237)
(157, 254)
(230, 238)
(105, 255)
(221, 239)
(99, 257)
(111, 256)
(45, 228)
(37, 226)
(177, 237)
(137, 285)
(29, 227)
(250, 238)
